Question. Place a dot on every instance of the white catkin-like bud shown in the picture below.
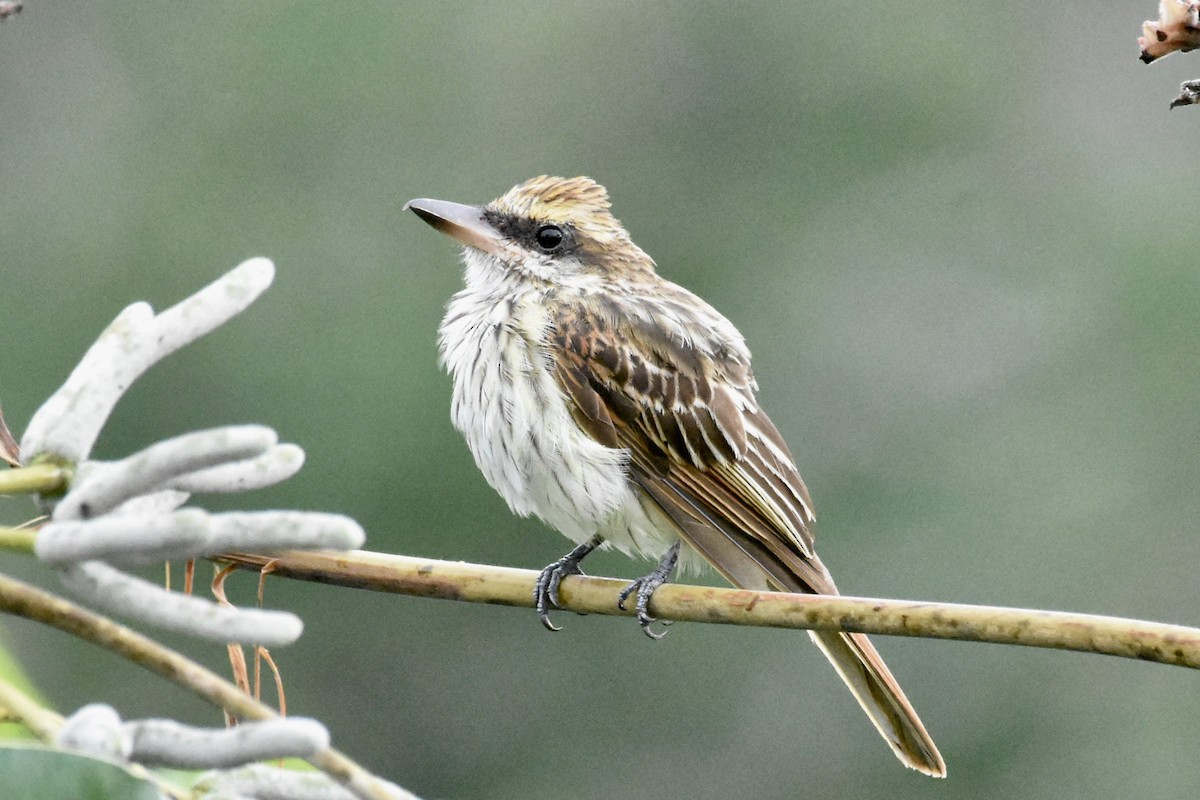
(111, 589)
(262, 782)
(96, 729)
(273, 531)
(221, 793)
(127, 539)
(101, 486)
(138, 539)
(277, 464)
(168, 743)
(64, 422)
(163, 502)
(68, 423)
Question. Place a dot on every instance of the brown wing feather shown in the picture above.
(698, 442)
(707, 456)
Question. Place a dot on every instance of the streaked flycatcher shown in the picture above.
(620, 409)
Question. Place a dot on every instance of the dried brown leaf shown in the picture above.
(10, 451)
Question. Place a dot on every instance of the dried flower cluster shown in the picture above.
(1176, 29)
(118, 514)
(126, 512)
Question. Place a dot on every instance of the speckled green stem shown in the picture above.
(476, 583)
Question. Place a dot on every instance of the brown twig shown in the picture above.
(10, 451)
(477, 583)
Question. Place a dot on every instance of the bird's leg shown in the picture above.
(645, 588)
(545, 591)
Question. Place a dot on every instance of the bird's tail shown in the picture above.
(746, 561)
(863, 670)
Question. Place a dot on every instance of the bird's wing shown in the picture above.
(700, 447)
(708, 457)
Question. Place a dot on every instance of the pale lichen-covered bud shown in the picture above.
(109, 588)
(96, 729)
(68, 423)
(168, 743)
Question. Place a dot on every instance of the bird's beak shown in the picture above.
(465, 223)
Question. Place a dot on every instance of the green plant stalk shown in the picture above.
(42, 721)
(42, 478)
(18, 540)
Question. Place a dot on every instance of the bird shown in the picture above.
(620, 409)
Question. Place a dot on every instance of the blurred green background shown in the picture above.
(959, 239)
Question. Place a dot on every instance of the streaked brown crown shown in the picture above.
(578, 203)
(559, 199)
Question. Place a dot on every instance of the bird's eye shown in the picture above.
(549, 237)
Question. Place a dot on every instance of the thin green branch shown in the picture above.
(18, 540)
(33, 715)
(476, 583)
(32, 603)
(44, 478)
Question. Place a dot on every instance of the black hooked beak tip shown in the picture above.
(465, 223)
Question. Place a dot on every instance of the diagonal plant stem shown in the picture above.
(32, 603)
(478, 583)
(18, 540)
(43, 478)
(38, 719)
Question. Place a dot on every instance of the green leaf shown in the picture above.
(38, 773)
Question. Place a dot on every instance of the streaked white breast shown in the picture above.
(514, 416)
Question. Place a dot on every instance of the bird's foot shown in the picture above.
(645, 587)
(545, 591)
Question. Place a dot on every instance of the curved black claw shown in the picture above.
(545, 591)
(645, 587)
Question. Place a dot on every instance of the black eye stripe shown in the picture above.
(532, 234)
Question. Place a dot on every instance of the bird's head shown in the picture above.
(553, 230)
